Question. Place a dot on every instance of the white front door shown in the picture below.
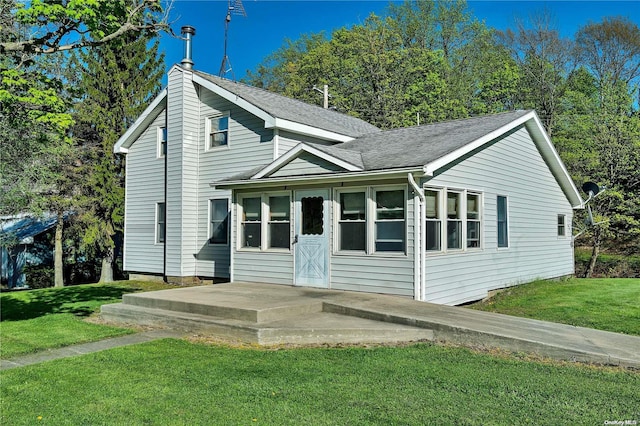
(311, 240)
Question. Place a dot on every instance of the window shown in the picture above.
(434, 221)
(217, 131)
(251, 222)
(219, 218)
(473, 220)
(161, 215)
(279, 222)
(503, 226)
(312, 215)
(562, 228)
(389, 220)
(265, 221)
(352, 225)
(454, 220)
(162, 142)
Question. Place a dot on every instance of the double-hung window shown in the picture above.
(389, 220)
(219, 219)
(217, 131)
(473, 220)
(265, 221)
(433, 220)
(279, 232)
(503, 225)
(562, 225)
(454, 220)
(251, 224)
(352, 223)
(162, 142)
(161, 221)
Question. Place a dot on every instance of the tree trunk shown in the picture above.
(106, 273)
(58, 265)
(594, 254)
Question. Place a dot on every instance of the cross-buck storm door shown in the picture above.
(311, 240)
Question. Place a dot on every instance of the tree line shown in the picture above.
(76, 74)
(428, 61)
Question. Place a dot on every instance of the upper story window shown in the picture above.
(219, 219)
(218, 131)
(162, 142)
(503, 224)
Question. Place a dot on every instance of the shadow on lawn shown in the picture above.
(80, 301)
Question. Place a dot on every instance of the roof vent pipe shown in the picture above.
(187, 31)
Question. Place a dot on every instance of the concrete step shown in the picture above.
(252, 312)
(310, 328)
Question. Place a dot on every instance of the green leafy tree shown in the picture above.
(117, 80)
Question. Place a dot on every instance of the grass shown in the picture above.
(177, 382)
(54, 317)
(602, 303)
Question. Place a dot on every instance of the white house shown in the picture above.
(230, 181)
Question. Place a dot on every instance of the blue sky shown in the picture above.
(269, 22)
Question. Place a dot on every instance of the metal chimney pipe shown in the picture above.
(187, 31)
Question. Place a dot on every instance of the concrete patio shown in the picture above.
(275, 314)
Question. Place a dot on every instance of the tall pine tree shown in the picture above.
(117, 81)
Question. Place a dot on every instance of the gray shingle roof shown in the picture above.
(418, 145)
(293, 110)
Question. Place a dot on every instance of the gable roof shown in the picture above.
(292, 110)
(140, 125)
(276, 110)
(429, 148)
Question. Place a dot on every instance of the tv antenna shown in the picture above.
(235, 7)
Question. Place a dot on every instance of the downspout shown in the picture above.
(418, 249)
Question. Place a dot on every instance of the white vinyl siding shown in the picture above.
(513, 168)
(144, 188)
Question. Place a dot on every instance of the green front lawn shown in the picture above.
(177, 382)
(602, 303)
(34, 320)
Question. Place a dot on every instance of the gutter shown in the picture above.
(419, 252)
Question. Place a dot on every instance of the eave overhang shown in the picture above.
(270, 121)
(542, 142)
(140, 125)
(359, 176)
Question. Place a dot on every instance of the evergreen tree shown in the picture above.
(117, 81)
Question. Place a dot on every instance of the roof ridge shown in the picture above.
(250, 87)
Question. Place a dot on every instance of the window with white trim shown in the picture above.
(219, 221)
(217, 131)
(390, 230)
(352, 222)
(453, 219)
(279, 229)
(251, 224)
(473, 220)
(503, 224)
(162, 142)
(562, 225)
(161, 221)
(433, 220)
(265, 221)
